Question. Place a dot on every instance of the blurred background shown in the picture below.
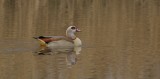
(121, 39)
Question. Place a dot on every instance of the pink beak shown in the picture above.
(77, 30)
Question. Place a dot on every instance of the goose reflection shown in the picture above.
(70, 52)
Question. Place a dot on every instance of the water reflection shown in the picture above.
(71, 53)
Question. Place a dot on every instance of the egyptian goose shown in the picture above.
(60, 41)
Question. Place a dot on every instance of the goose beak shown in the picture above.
(77, 30)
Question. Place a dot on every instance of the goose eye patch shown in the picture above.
(73, 27)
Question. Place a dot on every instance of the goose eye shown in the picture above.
(73, 28)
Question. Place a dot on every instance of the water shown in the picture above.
(120, 39)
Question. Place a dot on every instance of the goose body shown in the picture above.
(69, 40)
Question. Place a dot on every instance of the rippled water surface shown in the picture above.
(121, 39)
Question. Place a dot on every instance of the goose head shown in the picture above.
(71, 30)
